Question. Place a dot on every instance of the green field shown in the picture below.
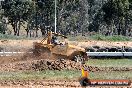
(100, 38)
(62, 75)
(32, 75)
(110, 62)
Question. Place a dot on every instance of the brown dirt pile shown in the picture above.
(39, 65)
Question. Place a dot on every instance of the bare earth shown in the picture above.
(20, 45)
(24, 45)
(52, 84)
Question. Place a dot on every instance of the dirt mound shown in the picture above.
(55, 65)
(39, 65)
(71, 65)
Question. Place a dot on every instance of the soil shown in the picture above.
(22, 45)
(35, 64)
(40, 65)
(50, 84)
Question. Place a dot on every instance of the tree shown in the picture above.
(16, 11)
(71, 16)
(116, 13)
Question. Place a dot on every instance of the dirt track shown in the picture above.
(43, 83)
(21, 45)
(50, 84)
(52, 65)
(9, 64)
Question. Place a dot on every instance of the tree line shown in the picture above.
(107, 17)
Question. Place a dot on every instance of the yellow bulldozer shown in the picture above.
(51, 48)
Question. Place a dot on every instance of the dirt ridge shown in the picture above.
(39, 65)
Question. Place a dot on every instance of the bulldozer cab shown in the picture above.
(54, 38)
(58, 42)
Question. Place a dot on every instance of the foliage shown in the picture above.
(69, 16)
(17, 11)
(108, 17)
(1, 28)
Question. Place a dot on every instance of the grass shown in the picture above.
(110, 38)
(110, 62)
(12, 37)
(111, 75)
(62, 75)
(31, 75)
(77, 38)
(100, 37)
